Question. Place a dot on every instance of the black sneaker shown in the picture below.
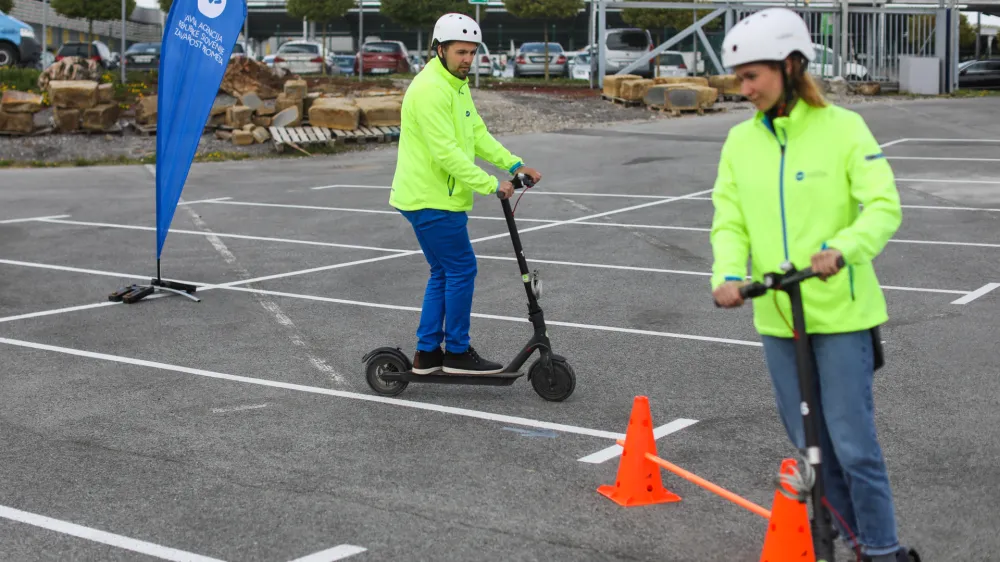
(469, 363)
(427, 362)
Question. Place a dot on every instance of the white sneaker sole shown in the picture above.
(454, 371)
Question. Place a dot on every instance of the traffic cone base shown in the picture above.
(789, 535)
(638, 481)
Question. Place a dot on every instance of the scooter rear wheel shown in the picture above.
(562, 384)
(386, 362)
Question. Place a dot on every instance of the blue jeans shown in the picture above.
(854, 471)
(444, 239)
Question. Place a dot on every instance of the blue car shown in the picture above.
(18, 45)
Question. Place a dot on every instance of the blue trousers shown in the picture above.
(854, 470)
(447, 310)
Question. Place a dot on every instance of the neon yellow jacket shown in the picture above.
(788, 189)
(441, 135)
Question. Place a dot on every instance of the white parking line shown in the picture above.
(976, 294)
(331, 554)
(32, 219)
(222, 235)
(616, 450)
(512, 420)
(103, 537)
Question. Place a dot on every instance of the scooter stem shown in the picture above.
(811, 423)
(519, 254)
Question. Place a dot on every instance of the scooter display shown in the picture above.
(388, 369)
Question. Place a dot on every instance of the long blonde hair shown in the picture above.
(806, 88)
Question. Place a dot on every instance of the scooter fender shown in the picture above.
(386, 349)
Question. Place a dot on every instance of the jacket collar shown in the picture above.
(790, 124)
(437, 66)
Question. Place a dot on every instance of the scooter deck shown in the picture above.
(440, 377)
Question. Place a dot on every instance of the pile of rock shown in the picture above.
(83, 104)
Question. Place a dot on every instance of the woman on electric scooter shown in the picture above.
(789, 185)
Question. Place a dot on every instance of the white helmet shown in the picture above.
(767, 35)
(457, 27)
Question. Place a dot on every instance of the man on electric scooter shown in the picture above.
(436, 177)
(789, 184)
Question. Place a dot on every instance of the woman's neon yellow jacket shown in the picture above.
(441, 136)
(792, 187)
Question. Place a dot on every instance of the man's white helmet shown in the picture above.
(457, 27)
(767, 35)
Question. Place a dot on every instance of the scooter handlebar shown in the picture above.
(757, 289)
(520, 181)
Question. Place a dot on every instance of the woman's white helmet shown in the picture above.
(457, 27)
(767, 35)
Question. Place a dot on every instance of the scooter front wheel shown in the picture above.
(555, 385)
(382, 362)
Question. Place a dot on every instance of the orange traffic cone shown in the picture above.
(789, 536)
(638, 481)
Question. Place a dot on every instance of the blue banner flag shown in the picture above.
(198, 39)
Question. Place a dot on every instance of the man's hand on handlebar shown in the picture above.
(825, 263)
(505, 190)
(727, 295)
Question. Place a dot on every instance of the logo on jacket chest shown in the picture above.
(802, 175)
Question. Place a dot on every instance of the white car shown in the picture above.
(852, 71)
(301, 57)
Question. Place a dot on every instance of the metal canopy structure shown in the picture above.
(858, 41)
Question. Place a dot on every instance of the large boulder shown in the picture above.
(335, 113)
(73, 94)
(66, 120)
(145, 111)
(245, 75)
(727, 84)
(101, 117)
(20, 102)
(70, 68)
(697, 80)
(613, 84)
(379, 111)
(635, 90)
(17, 122)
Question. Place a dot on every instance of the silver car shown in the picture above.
(530, 60)
(622, 47)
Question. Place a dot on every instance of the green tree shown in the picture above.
(318, 11)
(966, 34)
(544, 10)
(91, 10)
(165, 5)
(6, 6)
(422, 14)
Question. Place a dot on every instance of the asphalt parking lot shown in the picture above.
(241, 427)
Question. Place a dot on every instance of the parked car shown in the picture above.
(343, 63)
(98, 51)
(301, 57)
(18, 45)
(142, 56)
(979, 74)
(622, 47)
(530, 60)
(672, 64)
(578, 66)
(384, 57)
(825, 66)
(483, 63)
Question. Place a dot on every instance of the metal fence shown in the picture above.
(876, 39)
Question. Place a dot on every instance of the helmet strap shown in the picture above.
(789, 82)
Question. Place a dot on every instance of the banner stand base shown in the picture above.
(135, 293)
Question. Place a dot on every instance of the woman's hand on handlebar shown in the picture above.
(505, 190)
(825, 263)
(535, 175)
(727, 295)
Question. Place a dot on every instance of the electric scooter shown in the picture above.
(388, 369)
(789, 282)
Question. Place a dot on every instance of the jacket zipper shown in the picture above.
(781, 187)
